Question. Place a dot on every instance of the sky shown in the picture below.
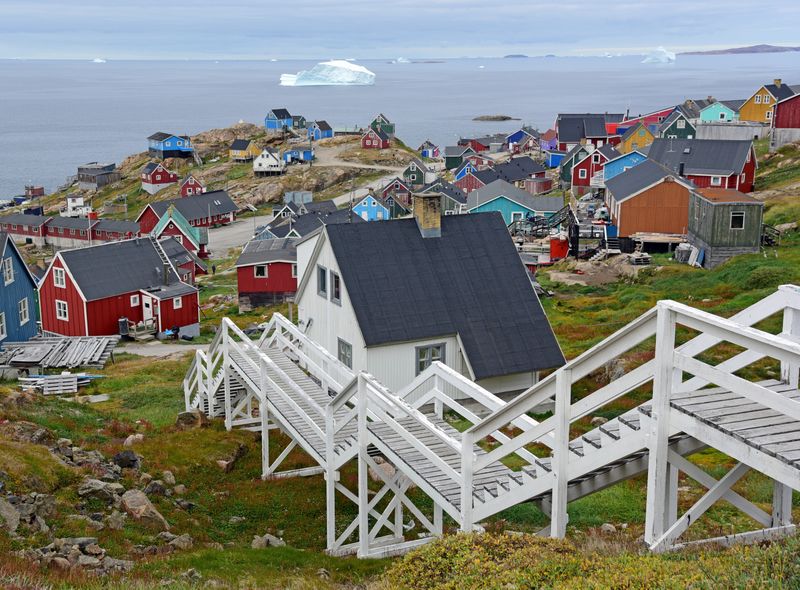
(324, 29)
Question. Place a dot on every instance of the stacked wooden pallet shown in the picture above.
(59, 352)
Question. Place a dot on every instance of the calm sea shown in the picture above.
(55, 115)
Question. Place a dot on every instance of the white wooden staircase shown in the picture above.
(286, 381)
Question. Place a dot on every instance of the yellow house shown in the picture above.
(635, 138)
(758, 108)
(243, 150)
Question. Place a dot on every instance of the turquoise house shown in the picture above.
(513, 203)
(18, 296)
(622, 163)
(372, 208)
(723, 111)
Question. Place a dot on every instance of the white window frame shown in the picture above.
(428, 359)
(261, 276)
(177, 302)
(582, 173)
(758, 99)
(8, 270)
(344, 352)
(716, 181)
(60, 278)
(766, 99)
(595, 158)
(24, 312)
(517, 216)
(135, 300)
(62, 310)
(336, 284)
(680, 123)
(737, 213)
(3, 331)
(322, 281)
(294, 271)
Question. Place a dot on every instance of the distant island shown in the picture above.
(515, 56)
(749, 49)
(495, 118)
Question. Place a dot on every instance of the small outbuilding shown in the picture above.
(724, 223)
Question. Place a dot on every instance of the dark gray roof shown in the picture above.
(116, 225)
(419, 164)
(574, 127)
(323, 125)
(456, 150)
(319, 206)
(117, 268)
(178, 254)
(571, 154)
(635, 179)
(264, 251)
(451, 191)
(701, 156)
(679, 112)
(281, 113)
(24, 219)
(71, 222)
(502, 188)
(149, 167)
(784, 91)
(733, 105)
(161, 136)
(424, 288)
(379, 132)
(240, 144)
(198, 206)
(609, 151)
(518, 168)
(302, 225)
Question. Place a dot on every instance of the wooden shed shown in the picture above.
(724, 223)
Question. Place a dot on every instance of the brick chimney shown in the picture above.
(777, 82)
(428, 213)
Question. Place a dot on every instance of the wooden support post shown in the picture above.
(560, 463)
(781, 504)
(438, 521)
(671, 513)
(466, 481)
(658, 466)
(790, 372)
(330, 477)
(437, 403)
(363, 470)
(398, 519)
(262, 409)
(209, 382)
(226, 380)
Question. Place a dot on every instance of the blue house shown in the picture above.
(552, 159)
(18, 303)
(465, 168)
(298, 155)
(372, 208)
(513, 203)
(166, 145)
(622, 163)
(319, 130)
(722, 111)
(278, 120)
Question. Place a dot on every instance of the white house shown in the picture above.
(268, 163)
(450, 288)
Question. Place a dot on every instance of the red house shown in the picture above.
(186, 263)
(22, 227)
(112, 230)
(585, 169)
(266, 272)
(191, 186)
(786, 122)
(399, 189)
(374, 139)
(709, 163)
(204, 210)
(88, 291)
(156, 177)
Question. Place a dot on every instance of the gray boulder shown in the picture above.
(139, 507)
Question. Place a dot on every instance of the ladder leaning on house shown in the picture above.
(286, 381)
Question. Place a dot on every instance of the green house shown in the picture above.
(416, 172)
(677, 126)
(724, 223)
(574, 155)
(382, 123)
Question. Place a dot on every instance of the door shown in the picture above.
(147, 309)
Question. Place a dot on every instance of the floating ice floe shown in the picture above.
(402, 60)
(659, 56)
(98, 60)
(337, 72)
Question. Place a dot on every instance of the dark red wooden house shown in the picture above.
(266, 272)
(191, 186)
(204, 210)
(375, 139)
(88, 291)
(591, 164)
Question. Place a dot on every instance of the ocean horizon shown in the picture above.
(58, 114)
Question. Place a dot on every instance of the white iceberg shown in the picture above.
(402, 60)
(659, 56)
(98, 60)
(337, 72)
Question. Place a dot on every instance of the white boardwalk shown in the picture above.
(286, 381)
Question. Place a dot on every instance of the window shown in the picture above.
(737, 219)
(516, 216)
(336, 288)
(135, 300)
(582, 173)
(294, 271)
(427, 354)
(62, 310)
(769, 115)
(741, 178)
(681, 124)
(722, 116)
(59, 278)
(8, 270)
(766, 99)
(3, 332)
(758, 99)
(322, 281)
(177, 302)
(716, 181)
(345, 353)
(22, 307)
(260, 271)
(596, 158)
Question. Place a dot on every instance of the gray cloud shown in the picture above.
(206, 29)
